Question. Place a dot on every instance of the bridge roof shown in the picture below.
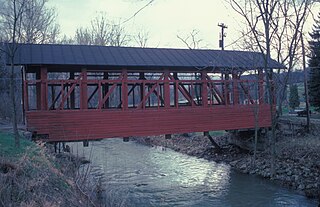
(96, 57)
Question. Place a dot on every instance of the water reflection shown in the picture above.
(145, 176)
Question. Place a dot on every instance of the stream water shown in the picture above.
(137, 175)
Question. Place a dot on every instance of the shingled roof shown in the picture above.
(133, 57)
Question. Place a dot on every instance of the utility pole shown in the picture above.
(222, 35)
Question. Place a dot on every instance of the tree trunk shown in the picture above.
(306, 90)
(12, 50)
(256, 124)
(14, 106)
(269, 73)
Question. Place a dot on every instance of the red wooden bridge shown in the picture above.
(74, 92)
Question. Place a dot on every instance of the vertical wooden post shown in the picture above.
(260, 86)
(133, 95)
(83, 90)
(105, 89)
(44, 92)
(166, 89)
(52, 96)
(124, 89)
(62, 94)
(99, 94)
(191, 92)
(142, 77)
(72, 95)
(204, 94)
(223, 88)
(235, 87)
(176, 90)
(226, 89)
(38, 89)
(26, 95)
(25, 104)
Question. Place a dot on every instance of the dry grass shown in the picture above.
(31, 176)
(302, 147)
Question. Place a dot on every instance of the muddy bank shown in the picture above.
(297, 160)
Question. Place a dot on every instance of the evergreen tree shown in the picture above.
(294, 101)
(314, 64)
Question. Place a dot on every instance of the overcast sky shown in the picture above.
(163, 19)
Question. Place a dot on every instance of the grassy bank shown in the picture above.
(33, 176)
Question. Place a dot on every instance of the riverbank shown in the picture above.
(297, 158)
(34, 175)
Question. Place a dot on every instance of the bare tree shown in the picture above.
(66, 40)
(255, 11)
(102, 32)
(24, 21)
(287, 20)
(192, 40)
(37, 24)
(287, 42)
(273, 25)
(118, 36)
(83, 37)
(13, 21)
(141, 39)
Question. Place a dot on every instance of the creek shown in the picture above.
(136, 175)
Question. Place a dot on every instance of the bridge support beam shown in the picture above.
(206, 134)
(86, 143)
(61, 147)
(168, 136)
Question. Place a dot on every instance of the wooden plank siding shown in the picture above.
(73, 125)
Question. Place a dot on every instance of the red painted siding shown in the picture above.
(71, 125)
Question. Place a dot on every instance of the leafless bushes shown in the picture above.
(299, 148)
(34, 180)
(21, 183)
(5, 103)
(91, 184)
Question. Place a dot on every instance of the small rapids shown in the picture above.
(137, 175)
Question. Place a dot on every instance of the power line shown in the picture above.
(138, 11)
(236, 41)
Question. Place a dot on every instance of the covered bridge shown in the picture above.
(77, 92)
